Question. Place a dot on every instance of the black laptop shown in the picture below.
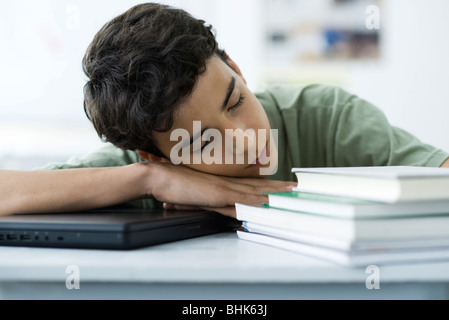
(110, 228)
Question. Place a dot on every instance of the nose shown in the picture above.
(240, 142)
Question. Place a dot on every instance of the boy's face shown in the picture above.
(222, 101)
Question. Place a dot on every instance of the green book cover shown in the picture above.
(337, 206)
(319, 197)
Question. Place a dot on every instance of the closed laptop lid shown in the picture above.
(117, 227)
(112, 220)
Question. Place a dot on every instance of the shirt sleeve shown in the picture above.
(107, 156)
(341, 129)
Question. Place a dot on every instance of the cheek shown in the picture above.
(256, 114)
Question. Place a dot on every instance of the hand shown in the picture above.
(181, 188)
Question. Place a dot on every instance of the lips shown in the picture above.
(263, 157)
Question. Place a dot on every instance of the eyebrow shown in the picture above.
(223, 107)
(228, 93)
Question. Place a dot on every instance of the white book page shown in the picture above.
(380, 172)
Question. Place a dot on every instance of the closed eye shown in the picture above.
(238, 104)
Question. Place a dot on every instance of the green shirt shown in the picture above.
(318, 126)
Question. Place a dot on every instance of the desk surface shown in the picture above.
(220, 260)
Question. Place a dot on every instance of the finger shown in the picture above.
(170, 206)
(246, 198)
(261, 182)
(257, 190)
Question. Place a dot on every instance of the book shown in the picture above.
(345, 244)
(416, 227)
(378, 183)
(351, 258)
(350, 208)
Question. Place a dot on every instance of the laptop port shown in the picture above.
(25, 237)
(11, 237)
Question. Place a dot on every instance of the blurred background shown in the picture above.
(392, 53)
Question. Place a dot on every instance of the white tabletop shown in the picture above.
(220, 258)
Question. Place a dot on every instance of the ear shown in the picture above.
(234, 66)
(151, 157)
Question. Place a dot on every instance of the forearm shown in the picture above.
(71, 189)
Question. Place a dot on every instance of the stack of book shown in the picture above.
(357, 216)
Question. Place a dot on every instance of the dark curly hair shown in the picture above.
(141, 66)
